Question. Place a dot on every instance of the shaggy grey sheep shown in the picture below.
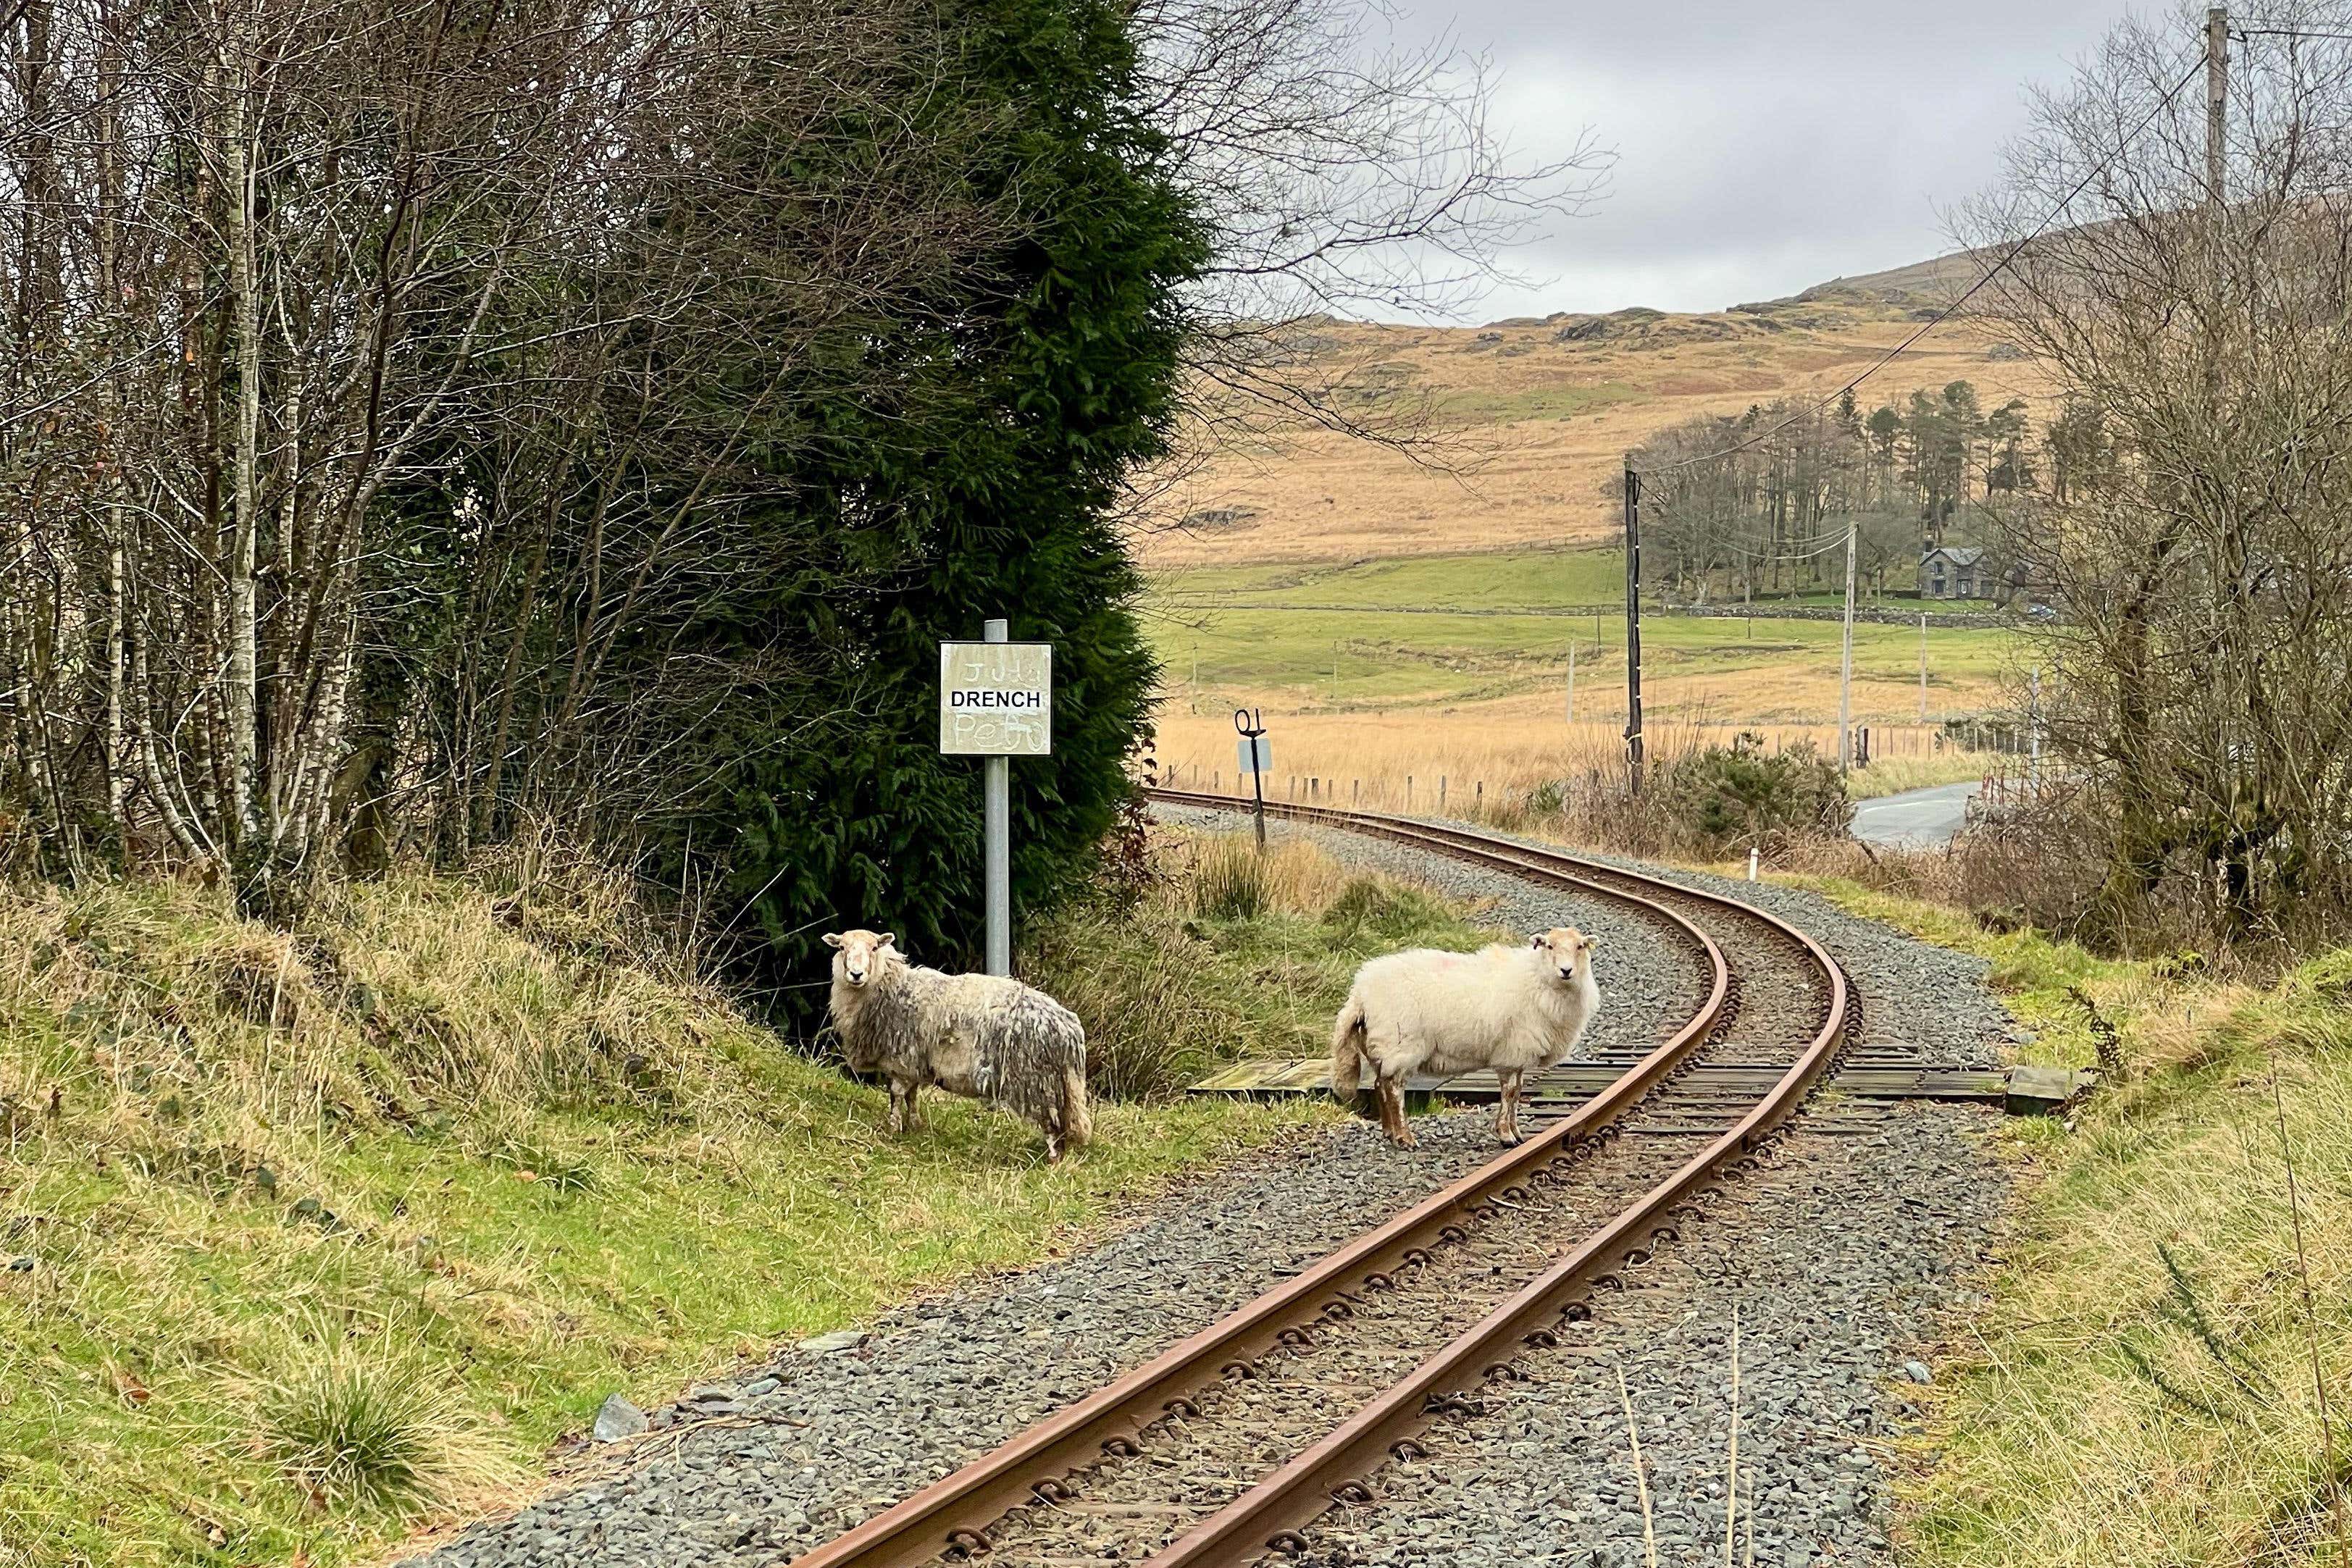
(976, 1035)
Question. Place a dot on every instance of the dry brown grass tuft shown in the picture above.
(1412, 760)
(353, 1422)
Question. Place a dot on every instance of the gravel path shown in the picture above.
(767, 1466)
(819, 1441)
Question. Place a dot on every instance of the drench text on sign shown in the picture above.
(996, 699)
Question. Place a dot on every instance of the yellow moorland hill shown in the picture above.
(1530, 419)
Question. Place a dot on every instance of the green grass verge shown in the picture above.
(2143, 1386)
(425, 1180)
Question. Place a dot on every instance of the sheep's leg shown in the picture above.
(1392, 1122)
(1507, 1113)
(902, 1106)
(914, 1108)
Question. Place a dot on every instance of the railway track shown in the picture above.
(1227, 1445)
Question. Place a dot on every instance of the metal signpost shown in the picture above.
(1256, 754)
(996, 702)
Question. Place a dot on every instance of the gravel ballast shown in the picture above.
(1842, 1254)
(1842, 1251)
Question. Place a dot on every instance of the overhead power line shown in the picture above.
(1998, 268)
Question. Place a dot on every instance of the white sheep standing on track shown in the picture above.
(980, 1036)
(1515, 1009)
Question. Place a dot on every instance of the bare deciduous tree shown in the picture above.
(330, 320)
(2191, 522)
(1338, 175)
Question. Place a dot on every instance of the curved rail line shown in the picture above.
(951, 1516)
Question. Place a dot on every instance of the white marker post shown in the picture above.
(996, 702)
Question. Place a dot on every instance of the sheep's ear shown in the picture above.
(890, 939)
(1537, 941)
(831, 940)
(1591, 943)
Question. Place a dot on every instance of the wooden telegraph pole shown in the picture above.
(2217, 187)
(1845, 660)
(2217, 107)
(1633, 624)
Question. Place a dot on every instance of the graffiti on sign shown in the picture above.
(996, 699)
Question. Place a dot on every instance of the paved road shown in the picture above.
(1916, 819)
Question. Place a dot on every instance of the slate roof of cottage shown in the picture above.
(1958, 555)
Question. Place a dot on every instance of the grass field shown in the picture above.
(1458, 665)
(1781, 672)
(1539, 580)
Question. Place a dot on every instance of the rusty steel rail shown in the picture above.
(954, 1511)
(1267, 1517)
(951, 1515)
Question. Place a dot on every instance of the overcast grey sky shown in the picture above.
(1763, 145)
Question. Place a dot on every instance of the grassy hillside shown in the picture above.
(2158, 1377)
(1529, 421)
(310, 1237)
(1403, 613)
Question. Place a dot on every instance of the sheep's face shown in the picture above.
(1568, 950)
(858, 956)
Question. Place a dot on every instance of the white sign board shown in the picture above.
(996, 699)
(1254, 756)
